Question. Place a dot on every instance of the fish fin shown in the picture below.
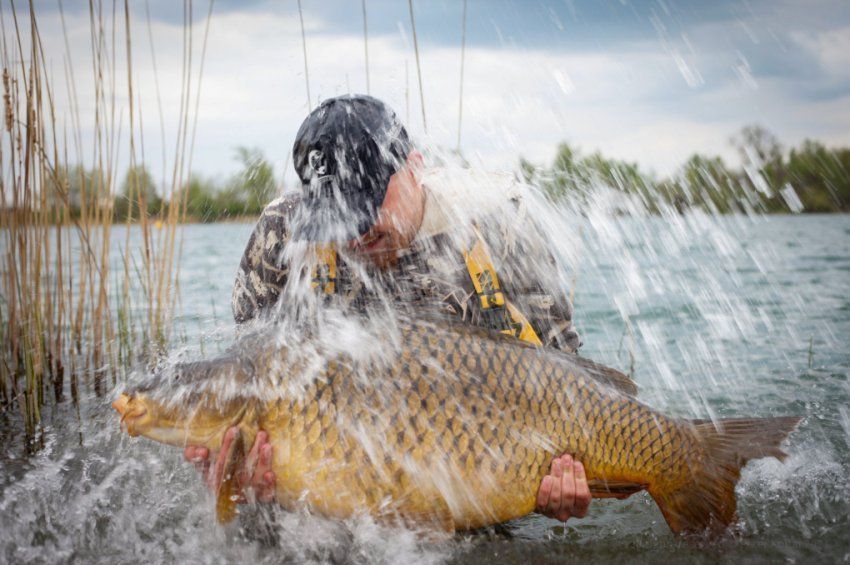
(228, 490)
(608, 376)
(707, 501)
(600, 488)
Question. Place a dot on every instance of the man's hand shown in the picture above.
(564, 492)
(256, 479)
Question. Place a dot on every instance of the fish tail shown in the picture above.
(706, 501)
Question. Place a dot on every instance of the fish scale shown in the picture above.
(462, 447)
(458, 428)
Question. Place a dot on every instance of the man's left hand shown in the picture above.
(255, 475)
(564, 493)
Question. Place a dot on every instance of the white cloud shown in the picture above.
(633, 103)
(830, 47)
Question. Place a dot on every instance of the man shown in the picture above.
(386, 231)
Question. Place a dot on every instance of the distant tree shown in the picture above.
(527, 170)
(574, 175)
(706, 182)
(566, 174)
(78, 186)
(138, 194)
(254, 185)
(201, 200)
(842, 166)
(76, 190)
(566, 159)
(820, 177)
(757, 145)
(621, 175)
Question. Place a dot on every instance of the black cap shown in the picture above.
(345, 153)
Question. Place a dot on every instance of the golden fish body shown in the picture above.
(458, 428)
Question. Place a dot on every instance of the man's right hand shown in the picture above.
(255, 479)
(564, 492)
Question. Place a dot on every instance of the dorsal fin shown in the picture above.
(607, 375)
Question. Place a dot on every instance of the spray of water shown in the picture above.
(701, 309)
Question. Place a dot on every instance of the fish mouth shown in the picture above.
(131, 413)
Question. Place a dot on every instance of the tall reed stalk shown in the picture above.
(76, 308)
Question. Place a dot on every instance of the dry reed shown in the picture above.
(68, 319)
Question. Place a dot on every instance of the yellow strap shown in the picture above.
(324, 271)
(484, 277)
(526, 332)
(481, 271)
(490, 293)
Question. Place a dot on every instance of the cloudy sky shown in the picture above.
(647, 81)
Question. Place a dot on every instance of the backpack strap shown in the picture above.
(498, 311)
(325, 269)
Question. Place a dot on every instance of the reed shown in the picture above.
(76, 306)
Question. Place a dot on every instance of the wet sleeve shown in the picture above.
(261, 274)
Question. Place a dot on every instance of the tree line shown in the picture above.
(807, 178)
(243, 194)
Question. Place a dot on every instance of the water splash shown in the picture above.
(721, 310)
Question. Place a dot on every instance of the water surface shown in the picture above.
(721, 317)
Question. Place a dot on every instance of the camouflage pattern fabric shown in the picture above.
(430, 274)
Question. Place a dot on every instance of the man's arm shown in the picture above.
(261, 276)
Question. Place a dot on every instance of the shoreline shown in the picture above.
(251, 219)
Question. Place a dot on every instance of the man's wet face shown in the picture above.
(398, 219)
(380, 245)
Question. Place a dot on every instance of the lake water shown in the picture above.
(735, 316)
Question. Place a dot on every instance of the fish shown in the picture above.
(452, 427)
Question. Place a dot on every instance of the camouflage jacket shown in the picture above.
(432, 272)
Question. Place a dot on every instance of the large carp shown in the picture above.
(451, 426)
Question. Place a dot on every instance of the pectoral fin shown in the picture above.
(613, 489)
(228, 490)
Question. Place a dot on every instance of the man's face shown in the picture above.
(399, 217)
